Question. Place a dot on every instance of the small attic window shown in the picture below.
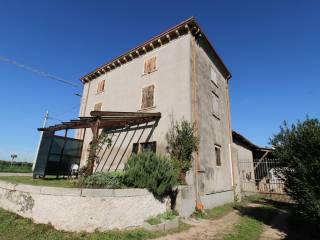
(150, 65)
(215, 105)
(97, 106)
(217, 150)
(147, 97)
(100, 87)
(213, 76)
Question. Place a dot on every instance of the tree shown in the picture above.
(182, 143)
(298, 149)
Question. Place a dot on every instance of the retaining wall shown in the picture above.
(75, 209)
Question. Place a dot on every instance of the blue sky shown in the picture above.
(271, 48)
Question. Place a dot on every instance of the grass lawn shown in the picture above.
(14, 227)
(253, 219)
(220, 211)
(48, 181)
(215, 213)
(251, 224)
(248, 229)
(15, 167)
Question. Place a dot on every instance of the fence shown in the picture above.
(261, 176)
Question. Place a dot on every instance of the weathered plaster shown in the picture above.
(81, 209)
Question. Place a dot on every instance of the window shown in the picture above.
(150, 65)
(213, 76)
(146, 146)
(97, 107)
(217, 150)
(135, 148)
(147, 97)
(100, 88)
(215, 105)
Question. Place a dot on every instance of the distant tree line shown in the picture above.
(8, 166)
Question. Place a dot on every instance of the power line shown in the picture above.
(55, 119)
(38, 72)
(67, 111)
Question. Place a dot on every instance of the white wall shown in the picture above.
(246, 167)
(76, 209)
(123, 89)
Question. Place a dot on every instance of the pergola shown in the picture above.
(109, 121)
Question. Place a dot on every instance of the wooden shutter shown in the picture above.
(147, 97)
(215, 105)
(145, 68)
(98, 88)
(213, 76)
(97, 107)
(153, 64)
(150, 65)
(101, 86)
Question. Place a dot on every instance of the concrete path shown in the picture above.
(15, 174)
(206, 229)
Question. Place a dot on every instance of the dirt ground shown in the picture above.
(216, 229)
(206, 229)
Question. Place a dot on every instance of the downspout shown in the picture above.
(230, 135)
(82, 132)
(195, 115)
(83, 109)
(86, 102)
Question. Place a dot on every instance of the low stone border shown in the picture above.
(76, 209)
(80, 192)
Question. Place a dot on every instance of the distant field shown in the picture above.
(15, 167)
(50, 181)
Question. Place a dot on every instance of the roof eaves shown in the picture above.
(190, 25)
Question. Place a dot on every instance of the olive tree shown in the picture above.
(297, 147)
(182, 143)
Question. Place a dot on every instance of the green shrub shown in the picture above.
(158, 174)
(298, 150)
(103, 180)
(182, 143)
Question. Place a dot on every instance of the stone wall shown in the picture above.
(75, 209)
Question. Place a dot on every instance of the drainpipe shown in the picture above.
(86, 102)
(83, 110)
(230, 136)
(195, 112)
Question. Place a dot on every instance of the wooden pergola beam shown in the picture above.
(106, 119)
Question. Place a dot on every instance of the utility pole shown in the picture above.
(46, 116)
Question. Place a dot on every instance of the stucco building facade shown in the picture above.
(179, 74)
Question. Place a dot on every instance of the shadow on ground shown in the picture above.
(281, 216)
